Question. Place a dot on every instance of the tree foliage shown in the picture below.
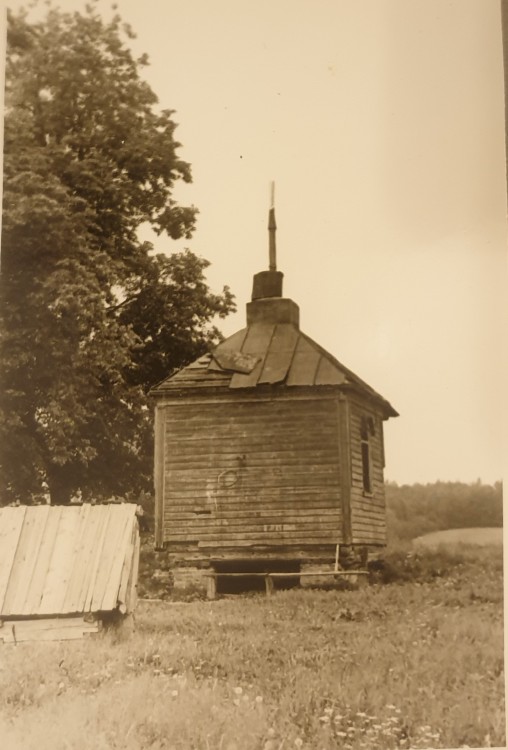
(91, 318)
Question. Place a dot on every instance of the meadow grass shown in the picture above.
(416, 663)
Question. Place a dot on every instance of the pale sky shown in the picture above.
(381, 122)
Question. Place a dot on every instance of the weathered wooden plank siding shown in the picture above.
(368, 519)
(61, 560)
(251, 472)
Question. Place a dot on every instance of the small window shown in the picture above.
(366, 430)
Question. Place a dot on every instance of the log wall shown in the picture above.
(368, 512)
(249, 474)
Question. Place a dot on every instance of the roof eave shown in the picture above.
(372, 396)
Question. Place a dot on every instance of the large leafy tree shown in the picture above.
(91, 317)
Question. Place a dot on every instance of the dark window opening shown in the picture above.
(367, 429)
(367, 485)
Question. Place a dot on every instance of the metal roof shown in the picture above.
(268, 354)
(57, 560)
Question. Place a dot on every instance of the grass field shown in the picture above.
(481, 536)
(414, 663)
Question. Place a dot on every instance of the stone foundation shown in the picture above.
(190, 578)
(309, 581)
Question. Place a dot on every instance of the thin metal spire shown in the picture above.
(272, 226)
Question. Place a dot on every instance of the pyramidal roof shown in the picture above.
(270, 351)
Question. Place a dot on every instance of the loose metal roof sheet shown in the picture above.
(57, 560)
(269, 354)
(271, 350)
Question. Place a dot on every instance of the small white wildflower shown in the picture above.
(259, 699)
(362, 714)
(341, 734)
(174, 693)
(390, 706)
(238, 690)
(324, 719)
(328, 711)
(299, 742)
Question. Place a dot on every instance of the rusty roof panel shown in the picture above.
(328, 374)
(286, 355)
(235, 361)
(233, 343)
(214, 365)
(304, 365)
(258, 338)
(199, 379)
(239, 380)
(280, 354)
(257, 343)
(198, 364)
(203, 373)
(195, 374)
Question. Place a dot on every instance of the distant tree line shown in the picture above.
(416, 509)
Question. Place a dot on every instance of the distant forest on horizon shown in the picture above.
(416, 509)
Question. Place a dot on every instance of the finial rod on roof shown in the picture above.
(272, 226)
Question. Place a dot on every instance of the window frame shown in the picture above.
(367, 430)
